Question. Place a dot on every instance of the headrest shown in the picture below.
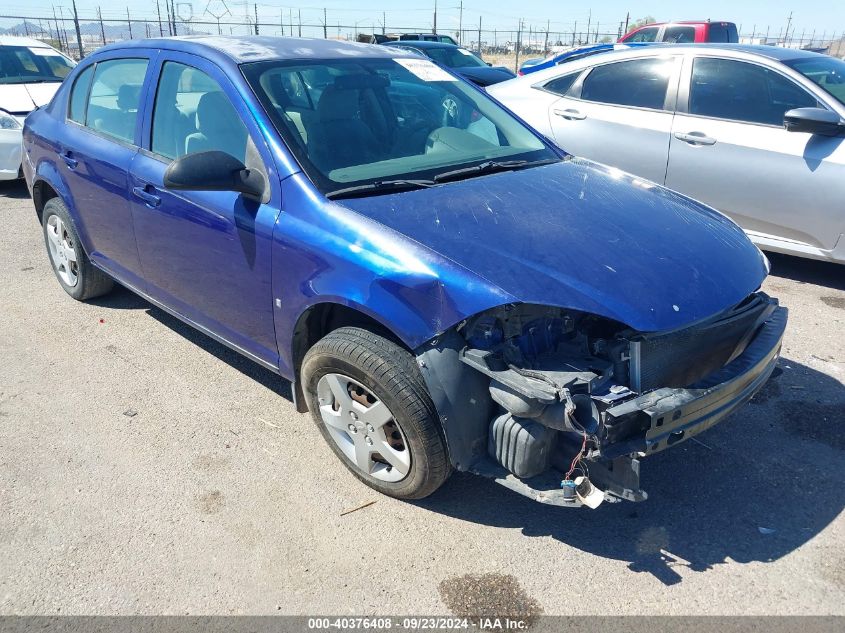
(337, 105)
(127, 96)
(214, 110)
(361, 81)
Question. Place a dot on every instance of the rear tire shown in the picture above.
(75, 272)
(369, 400)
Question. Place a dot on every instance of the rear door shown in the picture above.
(730, 150)
(98, 145)
(620, 113)
(206, 254)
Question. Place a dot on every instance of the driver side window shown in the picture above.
(192, 114)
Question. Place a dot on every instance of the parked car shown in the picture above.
(755, 132)
(689, 32)
(30, 73)
(463, 62)
(378, 38)
(579, 52)
(446, 289)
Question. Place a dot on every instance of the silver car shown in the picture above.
(754, 131)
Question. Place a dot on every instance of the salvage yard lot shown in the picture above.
(145, 468)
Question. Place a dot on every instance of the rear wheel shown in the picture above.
(371, 404)
(79, 278)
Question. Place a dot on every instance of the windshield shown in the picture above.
(356, 122)
(454, 57)
(827, 72)
(25, 64)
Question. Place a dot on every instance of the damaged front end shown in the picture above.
(560, 405)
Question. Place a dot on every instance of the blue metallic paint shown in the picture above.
(572, 234)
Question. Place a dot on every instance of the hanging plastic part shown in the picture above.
(587, 493)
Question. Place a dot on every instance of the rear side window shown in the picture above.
(723, 32)
(192, 114)
(561, 85)
(647, 34)
(679, 34)
(79, 96)
(739, 91)
(115, 97)
(640, 83)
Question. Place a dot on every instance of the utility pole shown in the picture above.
(788, 23)
(546, 44)
(479, 35)
(282, 21)
(325, 25)
(435, 16)
(589, 19)
(64, 30)
(627, 19)
(102, 28)
(574, 28)
(384, 22)
(129, 22)
(167, 12)
(78, 32)
(300, 22)
(461, 22)
(518, 43)
(56, 20)
(173, 15)
(255, 7)
(160, 28)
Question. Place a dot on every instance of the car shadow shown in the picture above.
(752, 489)
(15, 189)
(123, 299)
(808, 271)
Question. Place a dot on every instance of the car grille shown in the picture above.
(682, 357)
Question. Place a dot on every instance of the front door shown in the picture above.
(621, 115)
(731, 151)
(205, 254)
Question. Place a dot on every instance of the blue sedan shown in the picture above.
(445, 289)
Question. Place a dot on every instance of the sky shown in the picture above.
(821, 16)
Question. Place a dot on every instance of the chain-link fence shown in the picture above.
(502, 46)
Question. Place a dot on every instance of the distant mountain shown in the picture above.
(90, 30)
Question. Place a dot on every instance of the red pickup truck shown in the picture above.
(684, 32)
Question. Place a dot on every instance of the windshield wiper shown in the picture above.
(491, 167)
(380, 186)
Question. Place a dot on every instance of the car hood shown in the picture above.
(24, 98)
(485, 75)
(583, 236)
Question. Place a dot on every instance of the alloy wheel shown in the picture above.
(62, 253)
(363, 428)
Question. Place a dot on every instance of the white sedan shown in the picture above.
(30, 74)
(754, 131)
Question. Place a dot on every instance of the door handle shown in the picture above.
(70, 161)
(571, 114)
(695, 138)
(150, 199)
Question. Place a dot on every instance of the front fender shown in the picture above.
(326, 253)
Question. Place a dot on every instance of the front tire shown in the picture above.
(75, 272)
(369, 400)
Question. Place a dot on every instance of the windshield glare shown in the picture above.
(361, 121)
(827, 72)
(24, 64)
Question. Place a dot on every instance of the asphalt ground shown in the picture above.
(144, 468)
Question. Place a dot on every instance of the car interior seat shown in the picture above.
(219, 127)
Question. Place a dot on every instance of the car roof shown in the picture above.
(688, 22)
(16, 40)
(240, 49)
(423, 44)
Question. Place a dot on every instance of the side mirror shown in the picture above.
(214, 171)
(813, 121)
(489, 63)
